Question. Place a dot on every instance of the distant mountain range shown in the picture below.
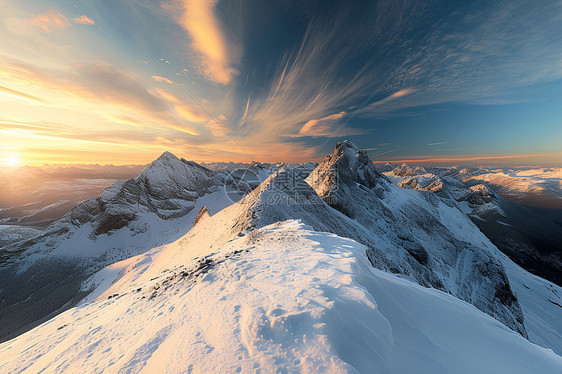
(530, 233)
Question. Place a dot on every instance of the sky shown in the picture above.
(120, 82)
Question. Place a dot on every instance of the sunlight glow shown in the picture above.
(12, 161)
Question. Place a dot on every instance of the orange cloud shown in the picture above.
(209, 39)
(401, 93)
(328, 126)
(83, 20)
(100, 82)
(51, 20)
(158, 78)
(120, 100)
(396, 95)
(43, 142)
(218, 127)
(183, 110)
(191, 115)
(185, 129)
(21, 95)
(167, 96)
(105, 84)
(125, 120)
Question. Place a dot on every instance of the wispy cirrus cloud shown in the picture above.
(189, 113)
(105, 84)
(102, 82)
(186, 111)
(328, 74)
(219, 126)
(305, 87)
(386, 104)
(354, 65)
(44, 130)
(416, 58)
(41, 141)
(486, 54)
(329, 127)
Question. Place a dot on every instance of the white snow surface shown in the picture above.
(282, 298)
(146, 232)
(541, 303)
(521, 182)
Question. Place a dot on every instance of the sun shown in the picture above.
(12, 161)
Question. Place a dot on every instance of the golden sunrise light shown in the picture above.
(11, 161)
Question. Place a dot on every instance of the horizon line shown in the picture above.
(411, 159)
(444, 159)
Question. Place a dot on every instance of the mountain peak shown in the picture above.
(167, 156)
(348, 155)
(348, 164)
(346, 144)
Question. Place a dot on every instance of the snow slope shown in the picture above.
(282, 298)
(255, 288)
(43, 275)
(541, 302)
(531, 237)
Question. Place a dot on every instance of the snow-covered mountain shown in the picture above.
(43, 275)
(531, 236)
(334, 267)
(415, 234)
(281, 298)
(540, 187)
(10, 234)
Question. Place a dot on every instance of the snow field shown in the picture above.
(279, 299)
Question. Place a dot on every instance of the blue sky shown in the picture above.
(122, 81)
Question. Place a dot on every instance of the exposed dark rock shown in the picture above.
(203, 212)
